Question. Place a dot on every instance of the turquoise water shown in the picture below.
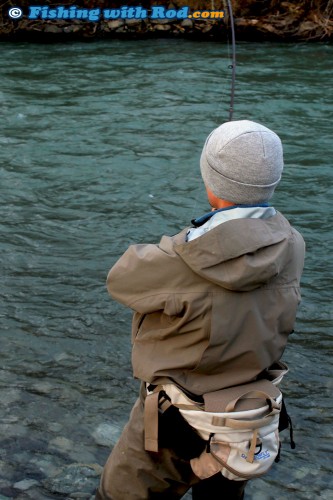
(100, 145)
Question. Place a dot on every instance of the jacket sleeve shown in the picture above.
(144, 277)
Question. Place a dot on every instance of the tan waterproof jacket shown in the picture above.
(215, 311)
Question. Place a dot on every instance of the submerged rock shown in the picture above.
(61, 444)
(75, 480)
(107, 434)
(25, 484)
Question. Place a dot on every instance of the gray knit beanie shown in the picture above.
(242, 162)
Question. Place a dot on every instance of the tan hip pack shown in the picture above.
(239, 425)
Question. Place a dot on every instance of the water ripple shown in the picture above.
(100, 145)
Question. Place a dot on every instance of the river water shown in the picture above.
(100, 145)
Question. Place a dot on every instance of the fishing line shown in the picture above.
(231, 56)
(231, 66)
(230, 27)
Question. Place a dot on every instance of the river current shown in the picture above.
(99, 148)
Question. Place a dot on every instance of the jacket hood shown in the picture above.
(240, 255)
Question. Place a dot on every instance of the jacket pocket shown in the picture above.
(137, 321)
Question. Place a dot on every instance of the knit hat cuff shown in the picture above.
(234, 191)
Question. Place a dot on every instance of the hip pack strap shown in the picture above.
(242, 397)
(151, 422)
(153, 402)
(244, 424)
(254, 394)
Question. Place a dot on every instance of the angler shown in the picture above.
(213, 308)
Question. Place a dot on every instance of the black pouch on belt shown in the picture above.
(176, 433)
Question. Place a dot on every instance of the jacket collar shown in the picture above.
(204, 218)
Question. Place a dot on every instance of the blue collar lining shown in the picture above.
(204, 218)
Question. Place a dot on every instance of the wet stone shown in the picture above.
(302, 472)
(55, 427)
(4, 483)
(10, 396)
(46, 465)
(34, 493)
(107, 434)
(259, 490)
(81, 455)
(13, 430)
(133, 22)
(187, 23)
(326, 494)
(7, 471)
(61, 444)
(25, 484)
(206, 28)
(74, 479)
(79, 494)
(52, 29)
(162, 27)
(161, 21)
(115, 24)
(42, 388)
(62, 356)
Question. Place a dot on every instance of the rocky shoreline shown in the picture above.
(63, 30)
(290, 24)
